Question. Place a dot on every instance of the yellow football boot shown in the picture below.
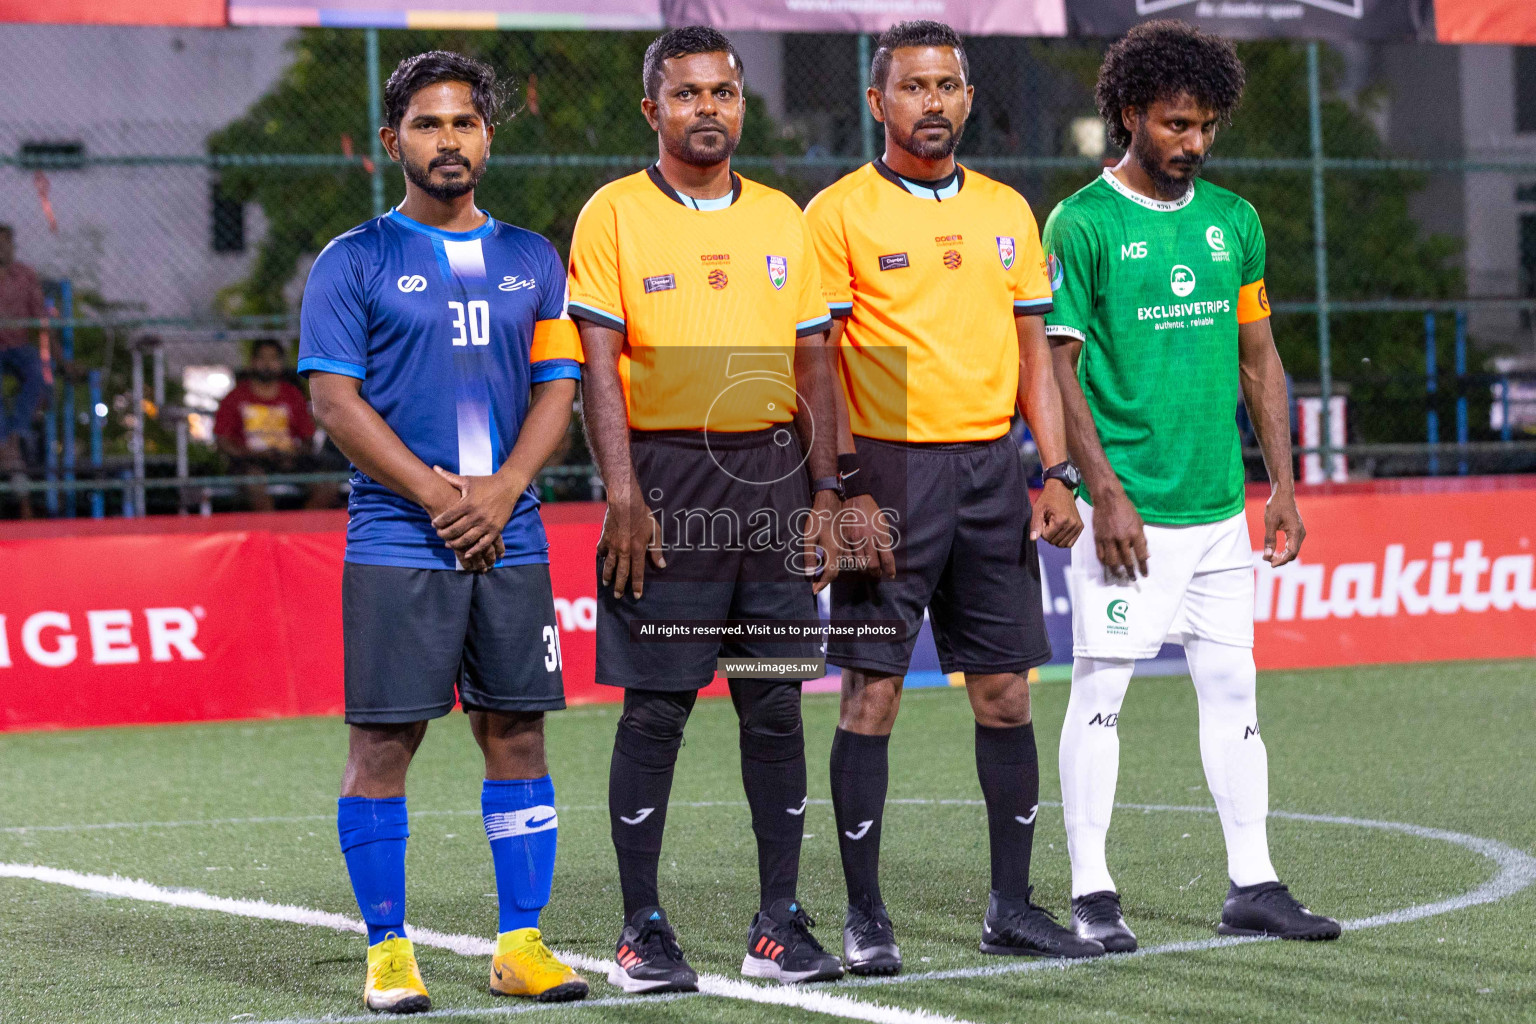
(394, 982)
(524, 966)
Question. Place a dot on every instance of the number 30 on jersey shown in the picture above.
(476, 318)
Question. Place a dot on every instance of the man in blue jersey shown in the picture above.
(442, 363)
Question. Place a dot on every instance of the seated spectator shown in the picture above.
(21, 298)
(264, 426)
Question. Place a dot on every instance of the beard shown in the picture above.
(421, 177)
(938, 149)
(1166, 184)
(691, 150)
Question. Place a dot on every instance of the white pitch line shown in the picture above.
(811, 1000)
(1516, 871)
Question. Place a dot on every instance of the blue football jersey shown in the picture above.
(448, 331)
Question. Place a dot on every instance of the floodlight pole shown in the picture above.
(375, 117)
(1320, 254)
(866, 119)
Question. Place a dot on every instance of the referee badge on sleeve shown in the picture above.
(1006, 251)
(778, 271)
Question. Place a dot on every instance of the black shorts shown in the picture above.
(962, 552)
(418, 638)
(730, 508)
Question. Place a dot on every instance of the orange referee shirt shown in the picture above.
(930, 281)
(710, 300)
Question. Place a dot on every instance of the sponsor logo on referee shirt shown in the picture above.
(660, 283)
(894, 261)
(1006, 251)
(778, 271)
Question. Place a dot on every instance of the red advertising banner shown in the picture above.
(1485, 21)
(199, 13)
(1394, 577)
(172, 620)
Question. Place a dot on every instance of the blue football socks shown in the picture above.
(520, 822)
(373, 835)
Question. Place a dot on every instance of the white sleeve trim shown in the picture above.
(1064, 330)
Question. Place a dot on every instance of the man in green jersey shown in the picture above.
(1160, 314)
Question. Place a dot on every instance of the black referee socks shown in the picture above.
(1008, 767)
(860, 775)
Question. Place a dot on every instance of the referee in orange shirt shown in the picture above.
(937, 284)
(710, 405)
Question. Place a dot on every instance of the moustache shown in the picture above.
(708, 126)
(448, 161)
(1187, 161)
(934, 122)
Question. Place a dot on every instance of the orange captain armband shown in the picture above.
(555, 339)
(1252, 302)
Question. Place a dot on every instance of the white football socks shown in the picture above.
(1236, 763)
(1089, 761)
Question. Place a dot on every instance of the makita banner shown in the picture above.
(173, 620)
(968, 17)
(1263, 19)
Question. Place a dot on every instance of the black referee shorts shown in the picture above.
(417, 639)
(961, 513)
(729, 506)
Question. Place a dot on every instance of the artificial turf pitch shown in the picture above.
(1448, 746)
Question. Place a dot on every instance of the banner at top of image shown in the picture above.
(460, 14)
(1264, 19)
(968, 17)
(189, 13)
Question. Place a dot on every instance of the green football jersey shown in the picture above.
(1152, 290)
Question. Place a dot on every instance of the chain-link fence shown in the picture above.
(172, 187)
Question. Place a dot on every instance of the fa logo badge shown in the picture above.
(1006, 251)
(778, 271)
(1182, 280)
(1055, 272)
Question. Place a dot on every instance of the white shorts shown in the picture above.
(1200, 585)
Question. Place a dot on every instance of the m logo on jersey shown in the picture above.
(1133, 251)
(778, 271)
(1006, 251)
(412, 283)
(1182, 280)
(1054, 271)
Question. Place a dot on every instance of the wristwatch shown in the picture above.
(828, 483)
(1067, 473)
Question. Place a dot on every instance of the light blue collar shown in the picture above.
(448, 236)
